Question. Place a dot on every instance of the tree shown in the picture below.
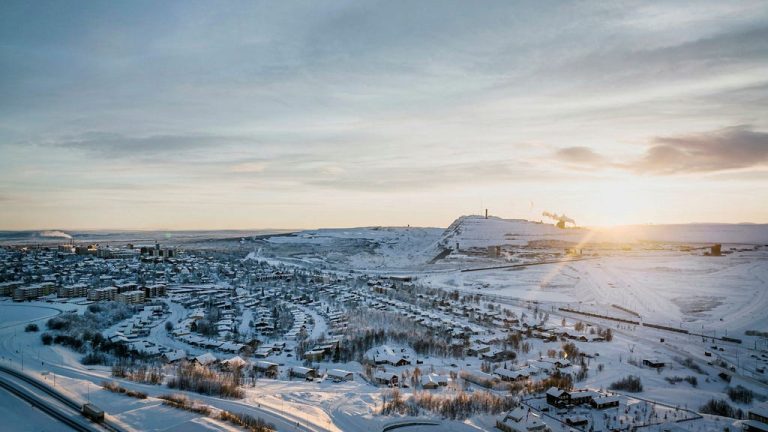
(46, 338)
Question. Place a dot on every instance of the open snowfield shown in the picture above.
(729, 292)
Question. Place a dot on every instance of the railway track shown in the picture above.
(56, 395)
(44, 407)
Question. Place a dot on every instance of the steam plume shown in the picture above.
(562, 218)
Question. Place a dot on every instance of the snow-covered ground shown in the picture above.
(665, 287)
(651, 274)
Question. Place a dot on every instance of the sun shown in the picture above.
(620, 203)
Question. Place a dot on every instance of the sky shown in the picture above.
(306, 114)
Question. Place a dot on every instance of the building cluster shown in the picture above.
(132, 330)
(58, 274)
(94, 271)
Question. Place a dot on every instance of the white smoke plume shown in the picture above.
(58, 234)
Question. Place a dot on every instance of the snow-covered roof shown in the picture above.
(302, 371)
(605, 399)
(556, 392)
(339, 373)
(206, 359)
(512, 374)
(175, 355)
(264, 365)
(521, 419)
(235, 361)
(231, 347)
(384, 375)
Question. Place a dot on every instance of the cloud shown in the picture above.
(248, 167)
(724, 149)
(110, 145)
(730, 148)
(404, 176)
(579, 156)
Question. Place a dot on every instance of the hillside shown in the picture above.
(466, 241)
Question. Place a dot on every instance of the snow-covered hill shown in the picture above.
(398, 248)
(478, 231)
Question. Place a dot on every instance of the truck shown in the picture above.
(93, 412)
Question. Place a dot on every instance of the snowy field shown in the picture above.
(716, 293)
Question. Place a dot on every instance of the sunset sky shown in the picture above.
(186, 115)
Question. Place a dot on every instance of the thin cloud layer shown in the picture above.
(579, 156)
(111, 145)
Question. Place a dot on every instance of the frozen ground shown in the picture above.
(673, 288)
(658, 272)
